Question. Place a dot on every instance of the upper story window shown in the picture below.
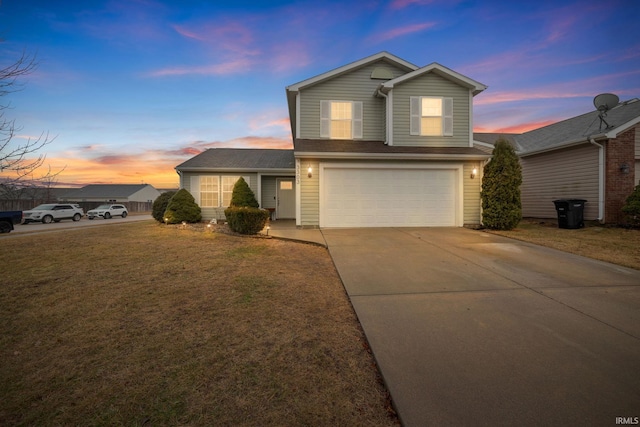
(431, 116)
(341, 119)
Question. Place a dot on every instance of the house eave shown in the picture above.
(568, 144)
(284, 171)
(389, 156)
(613, 133)
(473, 85)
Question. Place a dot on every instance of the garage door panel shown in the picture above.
(360, 197)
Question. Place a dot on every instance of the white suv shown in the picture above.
(52, 212)
(108, 211)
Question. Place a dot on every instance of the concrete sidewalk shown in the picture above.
(286, 229)
(470, 328)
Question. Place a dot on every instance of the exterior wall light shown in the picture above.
(474, 172)
(310, 172)
(624, 168)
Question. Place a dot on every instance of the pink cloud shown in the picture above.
(521, 128)
(253, 142)
(402, 31)
(571, 89)
(231, 36)
(237, 66)
(267, 120)
(401, 4)
(287, 56)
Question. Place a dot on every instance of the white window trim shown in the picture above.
(415, 111)
(195, 188)
(357, 112)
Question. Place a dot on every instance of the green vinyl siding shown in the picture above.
(472, 188)
(268, 198)
(356, 85)
(309, 194)
(432, 85)
(190, 181)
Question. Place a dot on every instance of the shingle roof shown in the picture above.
(379, 148)
(491, 138)
(240, 158)
(104, 190)
(580, 128)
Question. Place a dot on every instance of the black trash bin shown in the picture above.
(570, 212)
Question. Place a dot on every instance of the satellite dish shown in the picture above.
(605, 101)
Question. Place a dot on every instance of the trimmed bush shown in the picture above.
(182, 207)
(160, 205)
(501, 206)
(242, 195)
(246, 220)
(631, 208)
(243, 214)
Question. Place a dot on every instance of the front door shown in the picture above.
(286, 198)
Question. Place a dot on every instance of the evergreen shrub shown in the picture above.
(182, 207)
(246, 220)
(243, 214)
(242, 195)
(501, 205)
(160, 205)
(631, 208)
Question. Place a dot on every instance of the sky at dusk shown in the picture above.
(131, 88)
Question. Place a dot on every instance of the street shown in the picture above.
(37, 227)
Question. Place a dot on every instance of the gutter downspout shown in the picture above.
(386, 113)
(600, 179)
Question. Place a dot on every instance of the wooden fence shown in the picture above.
(25, 205)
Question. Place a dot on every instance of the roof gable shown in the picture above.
(462, 80)
(386, 56)
(580, 129)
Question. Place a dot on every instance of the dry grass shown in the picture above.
(144, 324)
(616, 245)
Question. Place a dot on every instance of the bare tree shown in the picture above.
(20, 161)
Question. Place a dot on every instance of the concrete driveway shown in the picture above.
(470, 328)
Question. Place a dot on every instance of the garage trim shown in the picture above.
(456, 167)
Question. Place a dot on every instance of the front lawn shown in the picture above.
(146, 324)
(612, 244)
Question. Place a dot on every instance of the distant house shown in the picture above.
(378, 142)
(579, 158)
(116, 193)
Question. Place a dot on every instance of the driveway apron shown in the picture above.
(469, 328)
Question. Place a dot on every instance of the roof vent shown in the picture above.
(603, 103)
(381, 73)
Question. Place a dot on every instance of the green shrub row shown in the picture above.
(246, 220)
(175, 207)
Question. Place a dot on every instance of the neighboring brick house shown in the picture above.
(580, 158)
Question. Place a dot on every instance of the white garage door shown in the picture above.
(353, 197)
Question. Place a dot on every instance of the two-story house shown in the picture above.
(377, 143)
